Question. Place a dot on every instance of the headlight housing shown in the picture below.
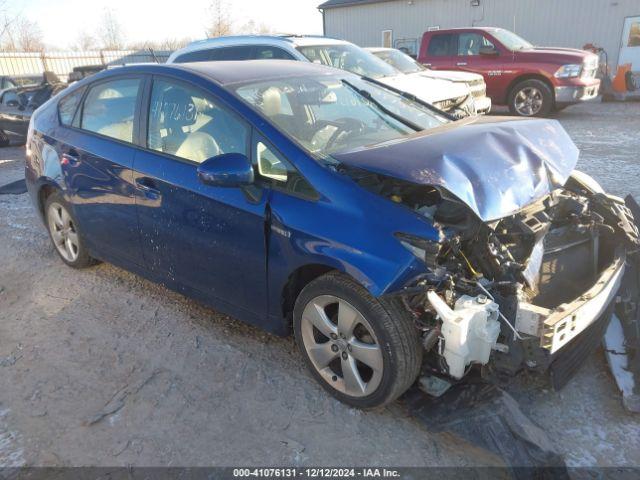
(569, 71)
(423, 249)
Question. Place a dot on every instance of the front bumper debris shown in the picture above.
(567, 321)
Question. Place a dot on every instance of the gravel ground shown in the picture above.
(101, 367)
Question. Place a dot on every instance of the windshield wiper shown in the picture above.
(394, 115)
(412, 97)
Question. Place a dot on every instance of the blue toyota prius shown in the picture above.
(391, 239)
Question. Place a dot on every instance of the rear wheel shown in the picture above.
(531, 98)
(363, 351)
(5, 141)
(64, 232)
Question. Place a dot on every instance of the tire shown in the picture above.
(64, 232)
(531, 98)
(383, 330)
(5, 141)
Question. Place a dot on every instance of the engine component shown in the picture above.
(470, 330)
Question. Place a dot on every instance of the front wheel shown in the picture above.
(531, 98)
(363, 351)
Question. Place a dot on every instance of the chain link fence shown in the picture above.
(22, 64)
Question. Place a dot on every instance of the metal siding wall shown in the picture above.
(564, 23)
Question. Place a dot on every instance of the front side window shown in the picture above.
(187, 123)
(327, 114)
(68, 105)
(470, 43)
(350, 58)
(110, 107)
(442, 45)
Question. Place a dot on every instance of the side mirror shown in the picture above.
(226, 170)
(488, 51)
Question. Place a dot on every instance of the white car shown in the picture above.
(409, 66)
(452, 97)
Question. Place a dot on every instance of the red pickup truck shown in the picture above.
(532, 81)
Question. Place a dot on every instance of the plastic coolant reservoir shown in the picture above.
(470, 330)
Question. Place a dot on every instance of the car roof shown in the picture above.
(379, 49)
(276, 40)
(247, 71)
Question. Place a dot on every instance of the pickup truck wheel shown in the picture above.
(362, 350)
(530, 98)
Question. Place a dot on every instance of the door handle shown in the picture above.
(70, 158)
(461, 64)
(148, 186)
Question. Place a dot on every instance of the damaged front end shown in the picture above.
(530, 258)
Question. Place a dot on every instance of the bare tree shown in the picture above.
(85, 41)
(253, 28)
(23, 35)
(111, 35)
(220, 23)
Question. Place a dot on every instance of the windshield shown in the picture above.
(327, 114)
(350, 58)
(399, 60)
(510, 39)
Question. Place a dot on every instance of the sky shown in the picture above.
(61, 21)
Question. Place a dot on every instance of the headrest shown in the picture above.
(271, 102)
(178, 109)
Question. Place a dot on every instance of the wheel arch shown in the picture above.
(530, 76)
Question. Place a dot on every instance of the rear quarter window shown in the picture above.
(68, 105)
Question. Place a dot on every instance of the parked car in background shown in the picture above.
(391, 239)
(13, 81)
(410, 66)
(453, 98)
(18, 104)
(532, 81)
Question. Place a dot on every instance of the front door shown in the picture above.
(209, 240)
(471, 58)
(630, 50)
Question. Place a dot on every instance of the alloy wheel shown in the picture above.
(63, 232)
(342, 346)
(528, 101)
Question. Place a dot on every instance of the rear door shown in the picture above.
(97, 150)
(442, 51)
(202, 238)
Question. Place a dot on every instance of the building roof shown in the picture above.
(346, 3)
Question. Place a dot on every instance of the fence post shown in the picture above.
(102, 57)
(43, 58)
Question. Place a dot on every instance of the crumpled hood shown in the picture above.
(428, 90)
(496, 166)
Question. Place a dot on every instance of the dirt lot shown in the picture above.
(100, 367)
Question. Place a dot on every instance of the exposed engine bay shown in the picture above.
(511, 293)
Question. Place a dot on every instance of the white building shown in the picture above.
(611, 24)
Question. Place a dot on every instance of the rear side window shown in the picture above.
(68, 105)
(199, 56)
(443, 45)
(266, 52)
(231, 53)
(110, 107)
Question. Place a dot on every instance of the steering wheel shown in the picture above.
(345, 127)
